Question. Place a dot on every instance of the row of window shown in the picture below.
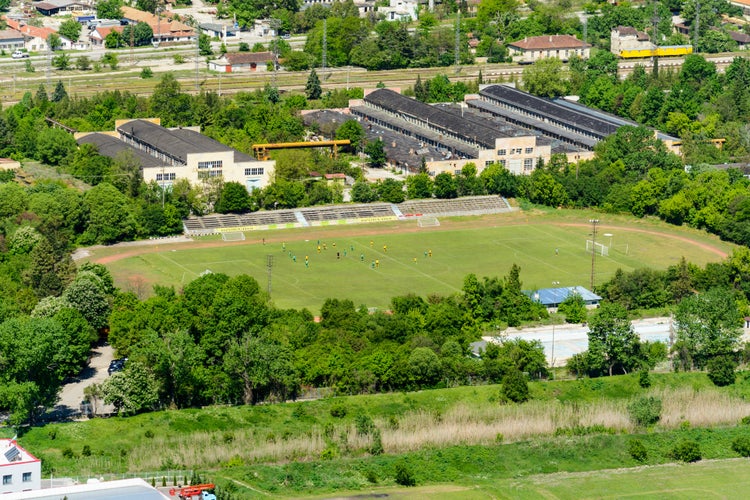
(254, 171)
(8, 479)
(210, 173)
(528, 164)
(166, 177)
(515, 151)
(210, 164)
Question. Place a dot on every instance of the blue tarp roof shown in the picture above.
(554, 296)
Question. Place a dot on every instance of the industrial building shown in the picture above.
(166, 155)
(21, 471)
(459, 134)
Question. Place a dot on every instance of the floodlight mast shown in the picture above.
(594, 223)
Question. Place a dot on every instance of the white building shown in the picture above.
(400, 10)
(20, 470)
(562, 47)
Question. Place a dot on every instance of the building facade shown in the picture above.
(627, 38)
(562, 47)
(20, 470)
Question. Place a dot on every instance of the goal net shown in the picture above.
(233, 236)
(428, 222)
(602, 249)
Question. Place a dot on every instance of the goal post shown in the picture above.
(600, 248)
(428, 222)
(233, 236)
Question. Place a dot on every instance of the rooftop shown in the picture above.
(552, 297)
(546, 42)
(557, 112)
(629, 31)
(111, 146)
(10, 35)
(125, 489)
(12, 453)
(249, 57)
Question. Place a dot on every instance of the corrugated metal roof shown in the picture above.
(551, 297)
(110, 146)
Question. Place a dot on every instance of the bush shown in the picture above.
(515, 388)
(721, 370)
(686, 451)
(68, 453)
(365, 425)
(371, 476)
(645, 411)
(377, 443)
(147, 73)
(644, 380)
(86, 451)
(53, 433)
(228, 437)
(178, 59)
(741, 446)
(637, 450)
(338, 411)
(149, 434)
(393, 422)
(328, 454)
(404, 475)
(744, 421)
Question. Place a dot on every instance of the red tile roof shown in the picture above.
(235, 58)
(547, 42)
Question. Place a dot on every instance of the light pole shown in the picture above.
(594, 223)
(552, 357)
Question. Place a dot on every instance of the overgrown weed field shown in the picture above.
(568, 426)
(369, 264)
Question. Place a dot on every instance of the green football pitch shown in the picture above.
(369, 264)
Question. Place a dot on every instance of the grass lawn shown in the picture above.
(486, 246)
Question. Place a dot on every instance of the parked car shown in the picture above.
(116, 365)
(19, 54)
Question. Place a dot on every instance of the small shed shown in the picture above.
(551, 298)
(242, 61)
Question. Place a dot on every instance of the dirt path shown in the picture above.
(446, 224)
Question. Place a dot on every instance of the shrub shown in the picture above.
(147, 73)
(328, 430)
(86, 451)
(499, 438)
(338, 411)
(637, 450)
(645, 411)
(686, 451)
(69, 453)
(644, 380)
(53, 434)
(149, 434)
(178, 59)
(515, 388)
(721, 370)
(365, 425)
(371, 476)
(299, 411)
(328, 454)
(741, 446)
(404, 475)
(377, 443)
(744, 421)
(228, 437)
(393, 422)
(163, 481)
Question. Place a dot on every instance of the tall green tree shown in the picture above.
(313, 89)
(545, 78)
(613, 344)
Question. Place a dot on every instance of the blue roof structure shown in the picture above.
(552, 297)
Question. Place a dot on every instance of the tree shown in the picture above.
(70, 29)
(59, 93)
(721, 370)
(204, 45)
(141, 34)
(544, 78)
(109, 9)
(613, 344)
(109, 216)
(445, 186)
(391, 190)
(83, 63)
(234, 198)
(313, 89)
(147, 5)
(54, 145)
(87, 296)
(113, 40)
(54, 41)
(376, 152)
(363, 192)
(424, 366)
(132, 390)
(515, 387)
(574, 308)
(110, 59)
(708, 325)
(419, 186)
(353, 131)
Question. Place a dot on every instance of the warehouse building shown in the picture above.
(460, 134)
(166, 155)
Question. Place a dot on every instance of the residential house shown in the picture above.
(11, 40)
(54, 7)
(35, 39)
(217, 30)
(562, 47)
(628, 38)
(99, 35)
(21, 470)
(400, 10)
(166, 31)
(242, 61)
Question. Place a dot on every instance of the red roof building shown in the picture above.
(562, 47)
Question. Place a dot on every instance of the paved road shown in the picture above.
(572, 339)
(71, 394)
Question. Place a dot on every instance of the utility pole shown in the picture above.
(697, 26)
(457, 49)
(655, 34)
(325, 46)
(197, 59)
(594, 223)
(269, 269)
(275, 24)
